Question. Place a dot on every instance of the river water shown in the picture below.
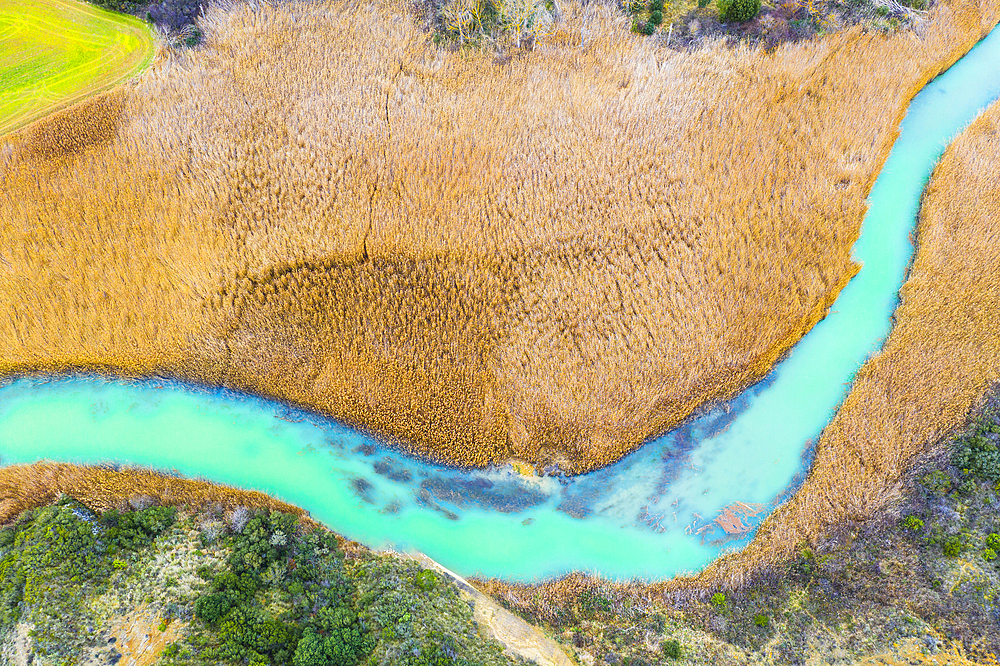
(671, 507)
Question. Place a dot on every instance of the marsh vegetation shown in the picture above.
(550, 259)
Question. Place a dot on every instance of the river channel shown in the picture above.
(671, 507)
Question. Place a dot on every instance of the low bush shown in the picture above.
(426, 580)
(936, 482)
(719, 600)
(953, 546)
(671, 648)
(211, 607)
(913, 523)
(738, 10)
(761, 620)
(978, 456)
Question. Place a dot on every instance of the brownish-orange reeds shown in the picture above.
(25, 487)
(550, 259)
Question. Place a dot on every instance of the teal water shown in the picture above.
(648, 516)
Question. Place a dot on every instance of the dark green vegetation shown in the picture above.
(924, 577)
(54, 558)
(738, 10)
(259, 590)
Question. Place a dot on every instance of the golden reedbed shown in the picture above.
(551, 258)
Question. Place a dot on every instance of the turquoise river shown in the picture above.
(651, 515)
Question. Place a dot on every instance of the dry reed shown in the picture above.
(25, 487)
(549, 259)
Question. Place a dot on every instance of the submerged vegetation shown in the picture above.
(237, 588)
(550, 258)
(918, 584)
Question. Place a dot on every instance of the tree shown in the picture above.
(738, 10)
(310, 651)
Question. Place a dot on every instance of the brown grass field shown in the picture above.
(943, 352)
(551, 258)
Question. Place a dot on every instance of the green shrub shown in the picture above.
(439, 650)
(426, 580)
(193, 39)
(989, 554)
(656, 5)
(703, 3)
(953, 546)
(738, 10)
(211, 607)
(993, 541)
(656, 17)
(937, 482)
(913, 523)
(761, 620)
(671, 648)
(309, 651)
(978, 456)
(647, 28)
(594, 601)
(719, 600)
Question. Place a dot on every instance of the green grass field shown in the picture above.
(54, 53)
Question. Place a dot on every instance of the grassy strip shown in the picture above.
(54, 53)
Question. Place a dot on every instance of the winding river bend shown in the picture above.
(670, 507)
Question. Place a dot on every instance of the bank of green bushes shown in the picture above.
(55, 559)
(277, 593)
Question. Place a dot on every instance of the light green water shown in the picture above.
(649, 516)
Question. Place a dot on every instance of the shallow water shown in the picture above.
(649, 516)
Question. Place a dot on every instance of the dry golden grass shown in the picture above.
(25, 487)
(936, 364)
(551, 259)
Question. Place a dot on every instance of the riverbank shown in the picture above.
(545, 311)
(916, 583)
(934, 367)
(941, 355)
(154, 584)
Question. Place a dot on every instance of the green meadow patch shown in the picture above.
(54, 53)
